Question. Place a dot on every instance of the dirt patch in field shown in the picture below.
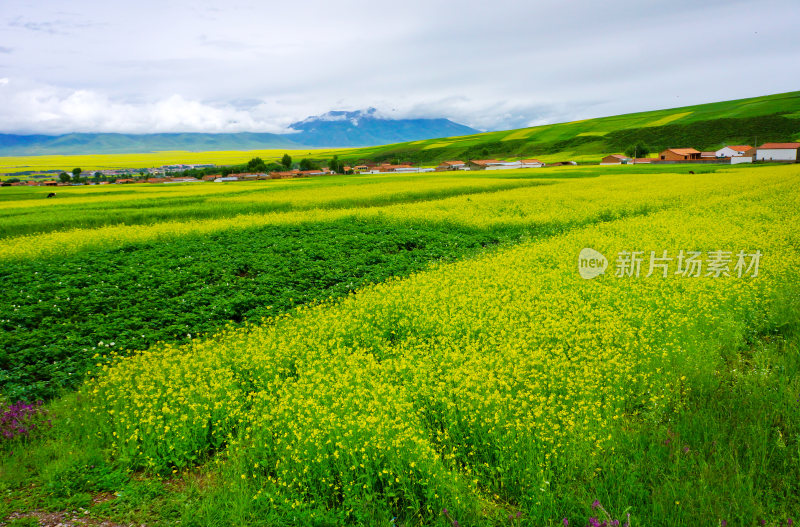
(75, 518)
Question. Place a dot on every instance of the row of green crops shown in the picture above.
(93, 207)
(490, 381)
(61, 311)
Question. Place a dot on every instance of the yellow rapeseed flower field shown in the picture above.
(472, 381)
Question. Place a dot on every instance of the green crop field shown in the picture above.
(407, 350)
(705, 126)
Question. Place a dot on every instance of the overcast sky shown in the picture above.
(209, 66)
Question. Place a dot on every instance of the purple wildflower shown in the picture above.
(595, 504)
(565, 522)
(20, 419)
(789, 522)
(724, 523)
(593, 522)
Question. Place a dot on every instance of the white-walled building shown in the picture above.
(452, 165)
(778, 152)
(733, 150)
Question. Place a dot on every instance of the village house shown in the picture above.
(530, 163)
(451, 165)
(318, 172)
(404, 167)
(733, 150)
(615, 159)
(182, 180)
(286, 174)
(482, 164)
(778, 152)
(125, 180)
(679, 154)
(251, 176)
(387, 167)
(708, 155)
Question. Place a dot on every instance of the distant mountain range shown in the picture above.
(333, 129)
(367, 128)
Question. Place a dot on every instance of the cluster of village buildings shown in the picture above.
(734, 154)
(783, 152)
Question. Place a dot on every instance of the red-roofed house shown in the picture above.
(615, 159)
(679, 154)
(285, 174)
(733, 150)
(778, 152)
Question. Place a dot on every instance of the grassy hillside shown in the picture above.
(705, 126)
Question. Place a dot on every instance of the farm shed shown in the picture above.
(778, 152)
(451, 165)
(482, 164)
(615, 159)
(504, 165)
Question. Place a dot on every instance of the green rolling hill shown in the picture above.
(704, 126)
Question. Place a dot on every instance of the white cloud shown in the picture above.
(207, 66)
(45, 109)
